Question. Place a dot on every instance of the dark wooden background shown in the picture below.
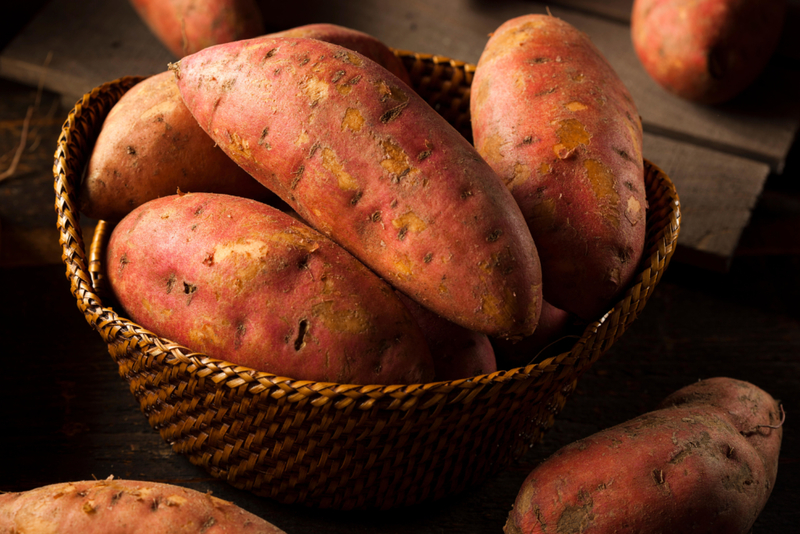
(726, 307)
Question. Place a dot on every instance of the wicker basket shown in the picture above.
(339, 445)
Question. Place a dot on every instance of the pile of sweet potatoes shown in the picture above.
(397, 234)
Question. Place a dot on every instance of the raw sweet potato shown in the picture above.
(706, 462)
(150, 146)
(244, 282)
(554, 325)
(351, 39)
(124, 507)
(706, 51)
(370, 164)
(554, 120)
(186, 26)
(457, 352)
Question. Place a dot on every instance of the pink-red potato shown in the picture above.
(706, 51)
(705, 463)
(150, 146)
(351, 39)
(553, 119)
(368, 163)
(243, 282)
(186, 26)
(457, 352)
(124, 507)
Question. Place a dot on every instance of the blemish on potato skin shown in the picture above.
(353, 120)
(393, 113)
(633, 211)
(241, 331)
(123, 261)
(262, 138)
(349, 57)
(297, 175)
(578, 517)
(571, 134)
(171, 282)
(315, 89)
(603, 183)
(396, 160)
(240, 147)
(409, 221)
(345, 88)
(332, 164)
(494, 235)
(576, 106)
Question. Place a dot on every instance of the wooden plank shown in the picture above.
(718, 193)
(91, 42)
(620, 11)
(761, 125)
(717, 190)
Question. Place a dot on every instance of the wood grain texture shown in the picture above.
(718, 194)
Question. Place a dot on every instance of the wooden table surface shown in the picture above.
(726, 307)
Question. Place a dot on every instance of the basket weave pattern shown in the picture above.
(339, 445)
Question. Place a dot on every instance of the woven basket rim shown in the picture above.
(234, 375)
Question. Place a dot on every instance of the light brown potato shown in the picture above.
(151, 146)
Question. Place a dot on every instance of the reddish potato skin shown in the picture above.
(368, 163)
(456, 351)
(124, 507)
(554, 324)
(186, 26)
(243, 282)
(751, 410)
(553, 119)
(351, 39)
(683, 468)
(706, 51)
(150, 146)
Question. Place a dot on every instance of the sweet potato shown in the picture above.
(244, 282)
(124, 507)
(351, 39)
(554, 325)
(150, 146)
(554, 120)
(186, 26)
(457, 352)
(368, 163)
(706, 51)
(706, 462)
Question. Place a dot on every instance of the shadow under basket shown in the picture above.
(328, 445)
